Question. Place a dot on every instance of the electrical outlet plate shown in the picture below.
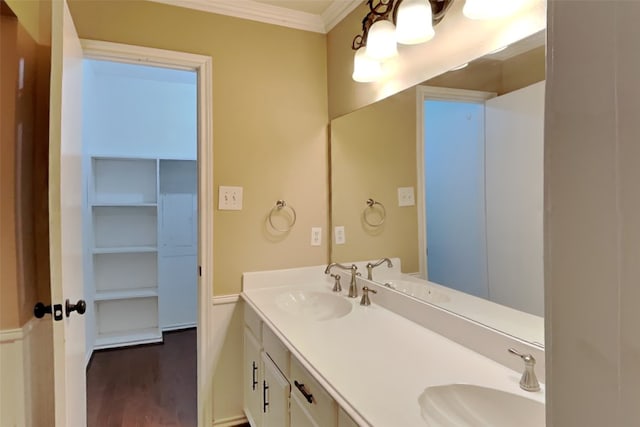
(406, 197)
(339, 235)
(229, 198)
(316, 236)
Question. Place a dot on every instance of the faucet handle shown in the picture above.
(337, 287)
(365, 295)
(529, 381)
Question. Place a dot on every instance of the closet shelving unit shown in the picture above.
(123, 203)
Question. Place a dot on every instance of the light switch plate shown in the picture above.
(229, 198)
(406, 197)
(339, 235)
(316, 236)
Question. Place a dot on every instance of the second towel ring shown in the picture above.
(370, 205)
(281, 204)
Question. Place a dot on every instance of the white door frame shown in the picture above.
(424, 93)
(203, 66)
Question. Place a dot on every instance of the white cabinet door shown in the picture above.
(299, 416)
(178, 224)
(178, 277)
(178, 292)
(275, 395)
(252, 380)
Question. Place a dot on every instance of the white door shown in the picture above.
(455, 202)
(65, 210)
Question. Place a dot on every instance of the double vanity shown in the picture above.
(315, 357)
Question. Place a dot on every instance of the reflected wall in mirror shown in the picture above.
(376, 150)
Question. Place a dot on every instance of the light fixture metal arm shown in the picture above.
(388, 10)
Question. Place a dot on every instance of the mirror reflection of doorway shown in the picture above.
(483, 172)
(455, 197)
(140, 238)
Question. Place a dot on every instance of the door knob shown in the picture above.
(40, 310)
(80, 307)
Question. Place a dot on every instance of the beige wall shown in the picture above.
(457, 40)
(500, 77)
(592, 214)
(363, 166)
(269, 123)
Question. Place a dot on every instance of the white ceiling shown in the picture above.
(318, 16)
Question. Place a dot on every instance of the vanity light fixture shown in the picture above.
(365, 69)
(390, 22)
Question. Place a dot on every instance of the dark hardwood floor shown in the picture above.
(144, 386)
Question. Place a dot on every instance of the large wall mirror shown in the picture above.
(466, 146)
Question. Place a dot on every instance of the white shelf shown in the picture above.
(126, 294)
(131, 337)
(125, 271)
(123, 204)
(130, 200)
(117, 226)
(123, 213)
(124, 180)
(125, 250)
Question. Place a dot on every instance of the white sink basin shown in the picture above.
(464, 405)
(419, 290)
(314, 305)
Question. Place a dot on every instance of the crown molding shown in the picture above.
(255, 11)
(338, 10)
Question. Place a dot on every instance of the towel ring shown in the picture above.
(370, 206)
(281, 204)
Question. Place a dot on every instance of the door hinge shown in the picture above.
(200, 270)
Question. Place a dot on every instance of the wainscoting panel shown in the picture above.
(26, 369)
(227, 354)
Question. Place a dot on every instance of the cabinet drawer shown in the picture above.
(322, 408)
(252, 321)
(276, 350)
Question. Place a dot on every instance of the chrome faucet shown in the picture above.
(370, 267)
(529, 381)
(353, 289)
(337, 287)
(365, 295)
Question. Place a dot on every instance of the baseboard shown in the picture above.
(179, 326)
(231, 421)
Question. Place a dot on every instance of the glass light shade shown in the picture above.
(381, 41)
(414, 22)
(490, 9)
(365, 69)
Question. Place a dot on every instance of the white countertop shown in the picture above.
(376, 363)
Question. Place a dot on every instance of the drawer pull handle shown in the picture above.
(254, 381)
(304, 392)
(265, 403)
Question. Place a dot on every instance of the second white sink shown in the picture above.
(314, 305)
(466, 405)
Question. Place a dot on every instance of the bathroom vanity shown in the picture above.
(313, 357)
